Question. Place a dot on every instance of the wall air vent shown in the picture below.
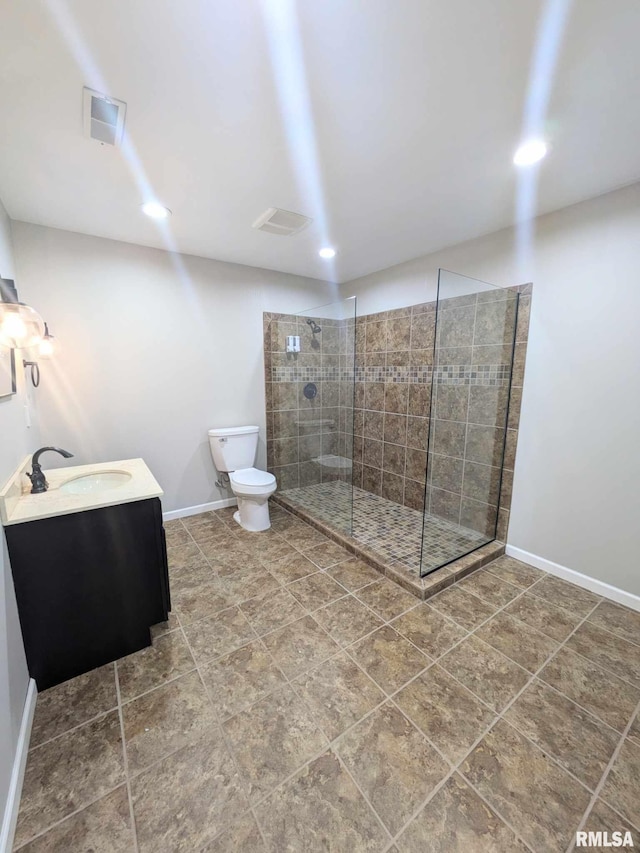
(103, 117)
(283, 222)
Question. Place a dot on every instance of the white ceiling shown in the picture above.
(391, 122)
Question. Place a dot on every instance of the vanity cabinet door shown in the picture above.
(88, 585)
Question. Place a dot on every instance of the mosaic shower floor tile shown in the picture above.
(397, 534)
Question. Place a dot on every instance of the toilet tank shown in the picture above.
(234, 448)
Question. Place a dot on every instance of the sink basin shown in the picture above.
(101, 481)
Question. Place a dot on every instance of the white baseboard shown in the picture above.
(620, 596)
(196, 510)
(17, 774)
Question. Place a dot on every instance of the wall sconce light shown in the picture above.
(21, 327)
(46, 348)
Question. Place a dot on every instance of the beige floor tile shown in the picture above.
(621, 787)
(73, 702)
(240, 678)
(592, 687)
(489, 588)
(568, 595)
(182, 554)
(486, 672)
(517, 640)
(192, 577)
(609, 651)
(347, 620)
(428, 629)
(555, 622)
(167, 658)
(271, 610)
(184, 801)
(303, 537)
(201, 521)
(387, 599)
(316, 590)
(320, 810)
(291, 568)
(394, 765)
(102, 827)
(271, 740)
(243, 836)
(579, 742)
(467, 610)
(338, 693)
(300, 646)
(205, 600)
(388, 658)
(66, 773)
(619, 620)
(457, 819)
(537, 798)
(242, 583)
(353, 574)
(451, 716)
(514, 572)
(218, 635)
(165, 720)
(273, 549)
(327, 554)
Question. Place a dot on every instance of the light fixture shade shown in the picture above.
(20, 326)
(47, 346)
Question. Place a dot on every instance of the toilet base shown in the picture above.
(252, 516)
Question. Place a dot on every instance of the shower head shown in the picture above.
(315, 328)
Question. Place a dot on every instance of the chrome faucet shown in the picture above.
(38, 480)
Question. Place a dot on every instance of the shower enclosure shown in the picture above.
(389, 430)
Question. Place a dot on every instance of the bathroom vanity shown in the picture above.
(89, 566)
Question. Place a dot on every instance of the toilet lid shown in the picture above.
(252, 477)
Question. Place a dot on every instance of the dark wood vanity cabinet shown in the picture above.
(88, 585)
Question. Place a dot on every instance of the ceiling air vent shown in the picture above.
(283, 222)
(103, 117)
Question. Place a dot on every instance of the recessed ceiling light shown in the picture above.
(530, 152)
(327, 253)
(155, 210)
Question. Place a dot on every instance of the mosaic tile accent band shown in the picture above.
(446, 374)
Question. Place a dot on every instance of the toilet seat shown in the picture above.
(252, 481)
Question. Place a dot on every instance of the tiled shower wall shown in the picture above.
(394, 355)
(302, 431)
(472, 373)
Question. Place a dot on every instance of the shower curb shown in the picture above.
(422, 588)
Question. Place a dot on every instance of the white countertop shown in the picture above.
(18, 505)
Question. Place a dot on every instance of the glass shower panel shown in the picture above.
(472, 368)
(318, 358)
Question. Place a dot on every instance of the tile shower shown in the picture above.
(406, 452)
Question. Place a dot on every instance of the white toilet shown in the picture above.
(234, 451)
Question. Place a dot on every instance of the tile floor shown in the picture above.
(298, 702)
(396, 533)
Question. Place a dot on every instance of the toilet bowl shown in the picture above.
(234, 451)
(253, 488)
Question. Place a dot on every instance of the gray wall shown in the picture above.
(575, 494)
(155, 350)
(16, 441)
